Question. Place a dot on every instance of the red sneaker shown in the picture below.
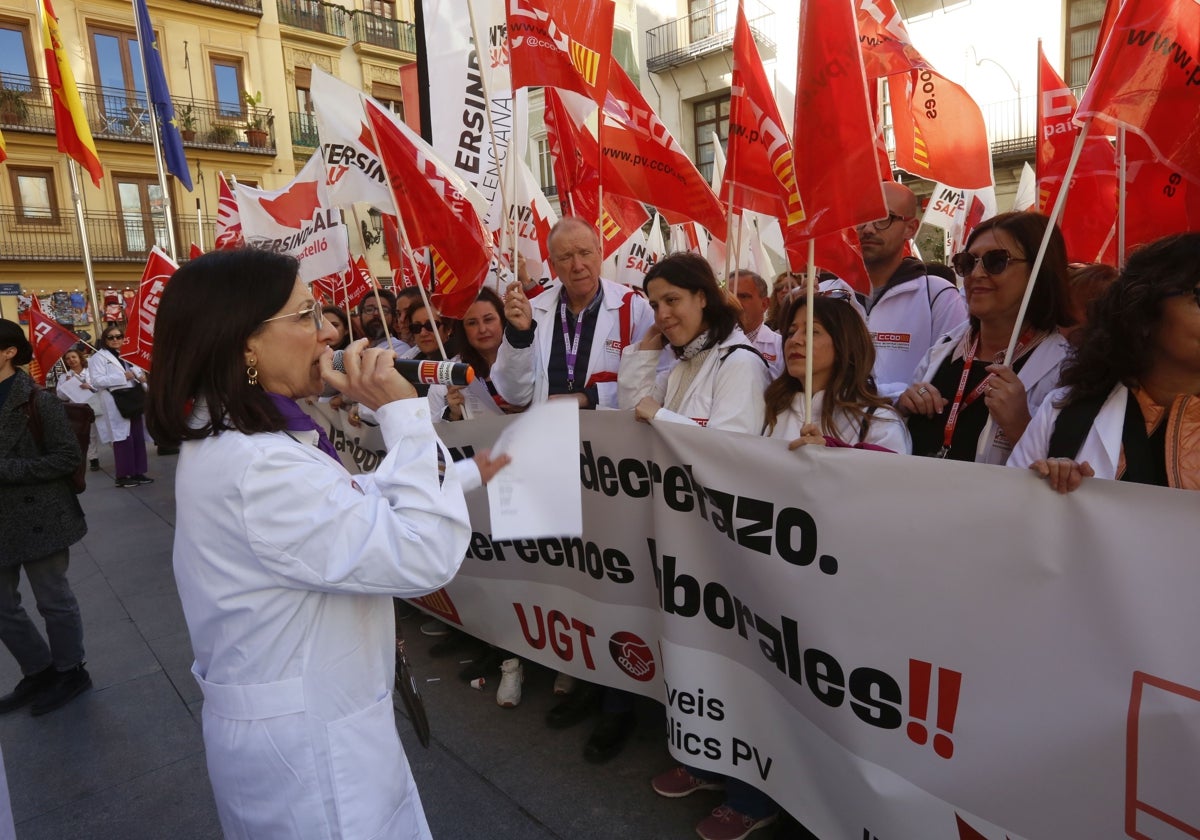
(724, 823)
(678, 782)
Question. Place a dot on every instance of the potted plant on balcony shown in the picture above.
(13, 109)
(185, 120)
(222, 135)
(256, 132)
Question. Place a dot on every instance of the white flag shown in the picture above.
(354, 172)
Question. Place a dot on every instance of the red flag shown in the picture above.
(649, 160)
(348, 288)
(437, 212)
(1147, 79)
(837, 252)
(1159, 200)
(561, 43)
(837, 170)
(391, 241)
(576, 159)
(1106, 24)
(229, 220)
(413, 272)
(50, 341)
(883, 38)
(194, 251)
(758, 163)
(1091, 208)
(143, 310)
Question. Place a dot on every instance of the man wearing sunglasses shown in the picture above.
(910, 307)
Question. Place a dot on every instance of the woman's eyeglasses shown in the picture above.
(314, 312)
(994, 261)
(114, 337)
(421, 326)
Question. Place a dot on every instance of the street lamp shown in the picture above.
(1016, 85)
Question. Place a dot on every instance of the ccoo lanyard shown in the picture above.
(959, 402)
(571, 345)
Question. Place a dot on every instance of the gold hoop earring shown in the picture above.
(251, 373)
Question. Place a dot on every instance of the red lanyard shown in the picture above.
(959, 402)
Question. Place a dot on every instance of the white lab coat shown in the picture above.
(885, 428)
(520, 374)
(905, 323)
(725, 394)
(769, 343)
(1102, 446)
(286, 567)
(1039, 375)
(107, 374)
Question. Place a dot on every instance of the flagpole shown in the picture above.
(1060, 202)
(77, 200)
(199, 225)
(507, 230)
(1121, 187)
(155, 139)
(808, 330)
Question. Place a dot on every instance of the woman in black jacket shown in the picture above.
(40, 519)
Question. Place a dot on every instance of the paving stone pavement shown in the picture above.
(126, 760)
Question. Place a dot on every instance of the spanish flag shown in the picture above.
(71, 125)
(3, 148)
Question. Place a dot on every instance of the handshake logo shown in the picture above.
(632, 655)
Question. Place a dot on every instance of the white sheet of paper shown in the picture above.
(538, 494)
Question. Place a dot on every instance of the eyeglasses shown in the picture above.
(114, 337)
(372, 310)
(421, 326)
(994, 261)
(884, 224)
(314, 312)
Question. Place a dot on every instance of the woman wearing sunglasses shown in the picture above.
(961, 383)
(846, 408)
(287, 564)
(108, 372)
(1129, 409)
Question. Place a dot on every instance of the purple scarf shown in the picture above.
(295, 420)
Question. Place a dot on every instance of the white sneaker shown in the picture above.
(435, 628)
(564, 684)
(508, 695)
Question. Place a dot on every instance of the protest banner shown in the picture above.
(890, 647)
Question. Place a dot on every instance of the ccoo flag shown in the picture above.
(160, 98)
(70, 122)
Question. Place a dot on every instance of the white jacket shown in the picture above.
(727, 392)
(106, 375)
(286, 566)
(1102, 446)
(520, 374)
(885, 428)
(769, 343)
(905, 323)
(1039, 375)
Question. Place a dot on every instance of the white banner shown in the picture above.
(457, 81)
(351, 161)
(298, 220)
(891, 647)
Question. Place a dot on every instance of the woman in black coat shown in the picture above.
(40, 519)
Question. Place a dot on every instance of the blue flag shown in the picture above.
(160, 99)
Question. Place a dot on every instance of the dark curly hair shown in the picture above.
(1117, 343)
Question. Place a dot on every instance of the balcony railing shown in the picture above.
(253, 7)
(115, 114)
(375, 29)
(705, 32)
(313, 16)
(304, 129)
(112, 236)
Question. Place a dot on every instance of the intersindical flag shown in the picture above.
(438, 210)
(564, 44)
(759, 174)
(70, 122)
(229, 220)
(354, 170)
(1147, 79)
(143, 310)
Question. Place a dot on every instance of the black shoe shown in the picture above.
(66, 687)
(28, 688)
(576, 707)
(485, 665)
(94, 465)
(141, 479)
(126, 482)
(609, 736)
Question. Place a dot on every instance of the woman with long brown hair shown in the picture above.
(846, 410)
